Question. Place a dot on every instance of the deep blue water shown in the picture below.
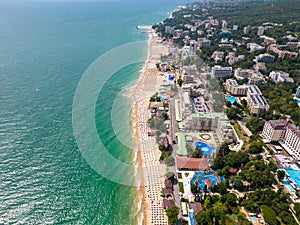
(45, 47)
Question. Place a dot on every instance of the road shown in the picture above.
(173, 129)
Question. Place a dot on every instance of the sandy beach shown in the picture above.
(151, 210)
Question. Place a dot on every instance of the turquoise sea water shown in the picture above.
(45, 47)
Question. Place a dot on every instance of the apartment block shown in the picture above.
(221, 72)
(235, 89)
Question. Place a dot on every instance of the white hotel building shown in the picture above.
(291, 141)
(286, 133)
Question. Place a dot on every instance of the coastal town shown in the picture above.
(218, 109)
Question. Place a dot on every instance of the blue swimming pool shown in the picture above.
(201, 177)
(294, 175)
(287, 184)
(192, 218)
(171, 77)
(231, 99)
(254, 219)
(205, 148)
(222, 179)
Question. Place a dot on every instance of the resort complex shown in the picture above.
(222, 119)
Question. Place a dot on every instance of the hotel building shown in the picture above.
(286, 133)
(221, 72)
(291, 141)
(233, 88)
(274, 130)
(257, 104)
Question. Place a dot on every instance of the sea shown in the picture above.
(45, 48)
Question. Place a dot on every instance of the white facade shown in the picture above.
(260, 31)
(274, 130)
(224, 24)
(291, 141)
(257, 104)
(233, 88)
(221, 72)
(193, 47)
(286, 133)
(246, 29)
(254, 47)
(280, 76)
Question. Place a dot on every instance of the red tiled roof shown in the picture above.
(198, 207)
(232, 170)
(192, 163)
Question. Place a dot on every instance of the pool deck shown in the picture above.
(186, 184)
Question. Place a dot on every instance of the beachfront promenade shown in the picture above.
(154, 173)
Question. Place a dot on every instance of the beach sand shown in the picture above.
(151, 210)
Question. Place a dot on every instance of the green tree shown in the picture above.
(204, 218)
(197, 153)
(194, 188)
(170, 175)
(280, 174)
(172, 214)
(222, 189)
(255, 124)
(297, 209)
(255, 148)
(179, 81)
(269, 215)
(224, 149)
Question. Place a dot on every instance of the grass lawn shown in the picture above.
(241, 133)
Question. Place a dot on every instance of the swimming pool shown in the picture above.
(254, 219)
(231, 99)
(294, 174)
(171, 77)
(287, 184)
(205, 148)
(201, 177)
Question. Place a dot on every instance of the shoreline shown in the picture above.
(142, 215)
(147, 156)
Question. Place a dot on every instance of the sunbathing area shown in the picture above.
(153, 171)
